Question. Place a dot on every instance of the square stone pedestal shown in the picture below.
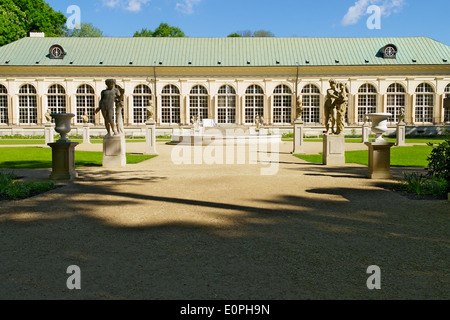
(401, 135)
(150, 137)
(298, 137)
(63, 160)
(49, 133)
(114, 151)
(333, 150)
(379, 160)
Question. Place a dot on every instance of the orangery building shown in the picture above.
(230, 80)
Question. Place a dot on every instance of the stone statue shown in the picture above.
(401, 116)
(85, 118)
(150, 111)
(341, 108)
(259, 121)
(119, 111)
(335, 108)
(109, 97)
(299, 108)
(330, 107)
(47, 116)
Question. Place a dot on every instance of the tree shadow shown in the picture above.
(133, 240)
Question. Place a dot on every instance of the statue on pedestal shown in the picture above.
(401, 116)
(150, 111)
(335, 108)
(299, 109)
(48, 118)
(112, 98)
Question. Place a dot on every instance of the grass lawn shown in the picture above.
(415, 156)
(32, 157)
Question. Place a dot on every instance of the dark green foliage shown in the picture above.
(19, 17)
(439, 161)
(163, 30)
(422, 185)
(11, 189)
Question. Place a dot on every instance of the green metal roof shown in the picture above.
(231, 52)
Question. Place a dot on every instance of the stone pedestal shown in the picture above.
(86, 133)
(333, 150)
(49, 133)
(365, 133)
(150, 137)
(114, 151)
(298, 137)
(401, 135)
(63, 160)
(379, 160)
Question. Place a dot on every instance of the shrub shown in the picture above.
(422, 185)
(10, 189)
(439, 161)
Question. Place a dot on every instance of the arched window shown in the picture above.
(282, 105)
(424, 103)
(396, 100)
(170, 105)
(27, 105)
(226, 111)
(56, 99)
(254, 103)
(198, 103)
(367, 101)
(142, 95)
(311, 104)
(85, 98)
(447, 111)
(3, 105)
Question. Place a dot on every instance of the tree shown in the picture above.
(163, 30)
(12, 23)
(87, 30)
(263, 34)
(19, 17)
(250, 34)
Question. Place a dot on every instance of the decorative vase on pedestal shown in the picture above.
(62, 124)
(379, 125)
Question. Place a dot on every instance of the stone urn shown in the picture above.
(379, 125)
(62, 125)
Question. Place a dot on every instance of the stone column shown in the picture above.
(86, 133)
(49, 132)
(401, 134)
(298, 137)
(333, 150)
(150, 137)
(379, 160)
(365, 132)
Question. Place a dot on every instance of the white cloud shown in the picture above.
(135, 5)
(111, 3)
(130, 5)
(187, 6)
(359, 9)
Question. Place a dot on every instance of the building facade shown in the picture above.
(231, 80)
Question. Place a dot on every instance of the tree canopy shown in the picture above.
(249, 34)
(19, 17)
(86, 30)
(163, 30)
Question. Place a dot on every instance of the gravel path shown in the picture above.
(160, 231)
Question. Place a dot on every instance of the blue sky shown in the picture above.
(284, 18)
